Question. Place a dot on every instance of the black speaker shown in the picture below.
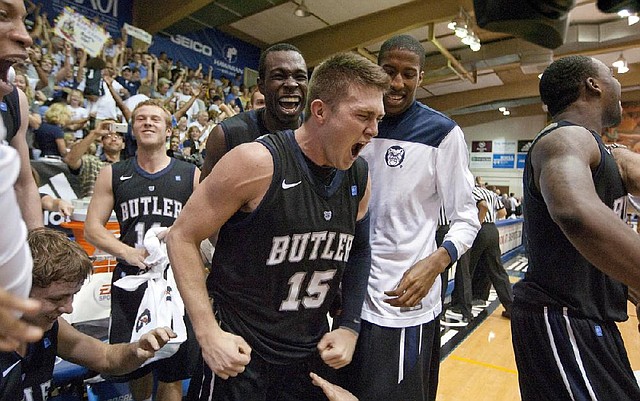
(544, 22)
(613, 6)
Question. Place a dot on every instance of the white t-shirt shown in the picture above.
(78, 113)
(105, 107)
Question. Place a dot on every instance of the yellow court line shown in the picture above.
(486, 365)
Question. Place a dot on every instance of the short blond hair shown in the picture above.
(157, 103)
(57, 114)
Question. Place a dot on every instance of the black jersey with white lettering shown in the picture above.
(276, 270)
(558, 275)
(243, 127)
(29, 378)
(143, 200)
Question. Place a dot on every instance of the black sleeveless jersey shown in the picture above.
(276, 270)
(558, 275)
(243, 128)
(10, 110)
(143, 200)
(29, 378)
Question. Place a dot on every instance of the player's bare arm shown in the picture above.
(122, 358)
(98, 214)
(563, 163)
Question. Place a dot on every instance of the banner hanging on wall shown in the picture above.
(227, 55)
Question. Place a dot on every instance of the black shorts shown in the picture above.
(262, 381)
(563, 357)
(394, 364)
(124, 310)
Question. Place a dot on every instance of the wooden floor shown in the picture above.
(483, 368)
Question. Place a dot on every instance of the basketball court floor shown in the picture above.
(477, 359)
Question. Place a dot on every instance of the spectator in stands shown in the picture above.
(125, 79)
(232, 98)
(87, 166)
(79, 114)
(49, 137)
(182, 126)
(165, 89)
(184, 95)
(245, 97)
(175, 149)
(191, 145)
(35, 119)
(204, 125)
(257, 100)
(47, 79)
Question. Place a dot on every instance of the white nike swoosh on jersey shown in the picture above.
(9, 369)
(124, 178)
(287, 186)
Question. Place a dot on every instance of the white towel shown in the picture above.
(161, 304)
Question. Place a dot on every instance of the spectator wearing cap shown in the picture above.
(164, 90)
(126, 80)
(216, 101)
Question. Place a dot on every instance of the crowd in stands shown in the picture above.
(70, 93)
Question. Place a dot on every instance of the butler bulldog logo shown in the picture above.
(394, 156)
(143, 320)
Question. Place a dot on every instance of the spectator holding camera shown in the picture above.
(87, 166)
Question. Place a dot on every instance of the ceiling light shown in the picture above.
(461, 31)
(302, 10)
(459, 21)
(502, 109)
(468, 39)
(633, 19)
(620, 62)
(623, 69)
(506, 113)
(461, 26)
(475, 43)
(623, 13)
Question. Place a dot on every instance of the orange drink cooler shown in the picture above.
(103, 262)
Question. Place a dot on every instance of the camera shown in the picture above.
(119, 127)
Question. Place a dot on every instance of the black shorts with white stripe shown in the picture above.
(564, 357)
(394, 364)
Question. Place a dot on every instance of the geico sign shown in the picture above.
(192, 44)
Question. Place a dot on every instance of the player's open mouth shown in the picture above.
(289, 103)
(5, 65)
(355, 149)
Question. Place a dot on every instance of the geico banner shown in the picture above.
(227, 55)
(112, 14)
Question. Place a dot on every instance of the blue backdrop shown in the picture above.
(226, 54)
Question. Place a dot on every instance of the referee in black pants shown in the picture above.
(486, 248)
